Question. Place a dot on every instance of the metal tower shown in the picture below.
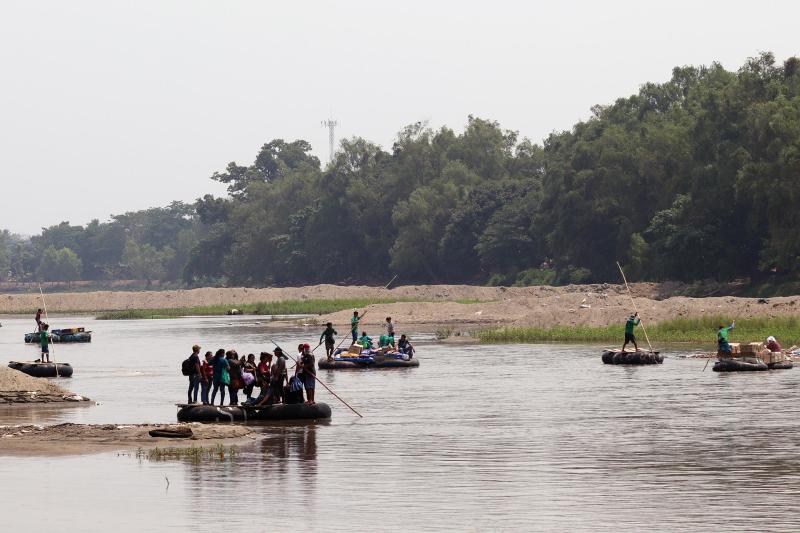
(331, 125)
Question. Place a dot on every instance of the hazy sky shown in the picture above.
(110, 106)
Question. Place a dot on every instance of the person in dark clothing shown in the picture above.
(236, 377)
(38, 320)
(330, 341)
(309, 373)
(405, 347)
(196, 375)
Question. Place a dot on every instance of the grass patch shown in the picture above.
(701, 329)
(194, 454)
(282, 307)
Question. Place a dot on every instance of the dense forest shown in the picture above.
(698, 177)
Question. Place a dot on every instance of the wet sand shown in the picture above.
(76, 439)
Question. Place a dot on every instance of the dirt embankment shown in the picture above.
(592, 305)
(19, 388)
(73, 439)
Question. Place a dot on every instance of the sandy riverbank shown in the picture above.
(591, 305)
(74, 439)
(17, 388)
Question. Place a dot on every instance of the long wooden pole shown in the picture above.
(319, 380)
(630, 293)
(47, 318)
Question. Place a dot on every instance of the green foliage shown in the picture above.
(688, 179)
(59, 265)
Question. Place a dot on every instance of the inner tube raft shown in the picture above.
(780, 365)
(233, 413)
(344, 363)
(618, 357)
(748, 364)
(61, 335)
(42, 370)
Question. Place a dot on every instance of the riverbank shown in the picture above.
(75, 439)
(17, 388)
(519, 314)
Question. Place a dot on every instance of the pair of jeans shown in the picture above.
(194, 386)
(204, 388)
(355, 335)
(218, 386)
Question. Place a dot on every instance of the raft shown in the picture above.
(233, 413)
(367, 359)
(62, 335)
(42, 370)
(780, 365)
(618, 357)
(747, 364)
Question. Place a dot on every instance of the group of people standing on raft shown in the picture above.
(215, 373)
(225, 370)
(723, 347)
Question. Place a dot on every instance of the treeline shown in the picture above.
(693, 178)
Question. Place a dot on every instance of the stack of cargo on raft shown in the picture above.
(753, 356)
(638, 357)
(235, 413)
(62, 335)
(38, 369)
(356, 357)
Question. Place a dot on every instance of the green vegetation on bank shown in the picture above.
(282, 307)
(701, 329)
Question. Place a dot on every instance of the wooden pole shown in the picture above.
(47, 318)
(630, 293)
(319, 380)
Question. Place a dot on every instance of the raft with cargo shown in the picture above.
(238, 413)
(368, 358)
(62, 335)
(753, 356)
(42, 370)
(639, 357)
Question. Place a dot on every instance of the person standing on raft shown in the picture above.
(354, 325)
(44, 340)
(309, 373)
(723, 348)
(330, 342)
(632, 322)
(38, 320)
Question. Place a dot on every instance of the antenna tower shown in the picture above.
(331, 125)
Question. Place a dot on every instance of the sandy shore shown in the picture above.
(74, 439)
(592, 305)
(17, 388)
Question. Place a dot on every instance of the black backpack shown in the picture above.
(187, 368)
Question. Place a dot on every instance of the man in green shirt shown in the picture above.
(365, 341)
(354, 326)
(632, 322)
(329, 340)
(44, 340)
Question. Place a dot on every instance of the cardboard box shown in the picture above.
(735, 348)
(356, 349)
(751, 348)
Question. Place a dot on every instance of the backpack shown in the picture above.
(187, 368)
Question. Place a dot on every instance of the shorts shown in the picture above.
(309, 382)
(45, 349)
(329, 343)
(630, 338)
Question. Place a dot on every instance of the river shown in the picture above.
(478, 438)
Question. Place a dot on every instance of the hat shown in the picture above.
(306, 347)
(770, 339)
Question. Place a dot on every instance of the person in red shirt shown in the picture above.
(206, 375)
(773, 345)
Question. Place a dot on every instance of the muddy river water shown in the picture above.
(478, 438)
